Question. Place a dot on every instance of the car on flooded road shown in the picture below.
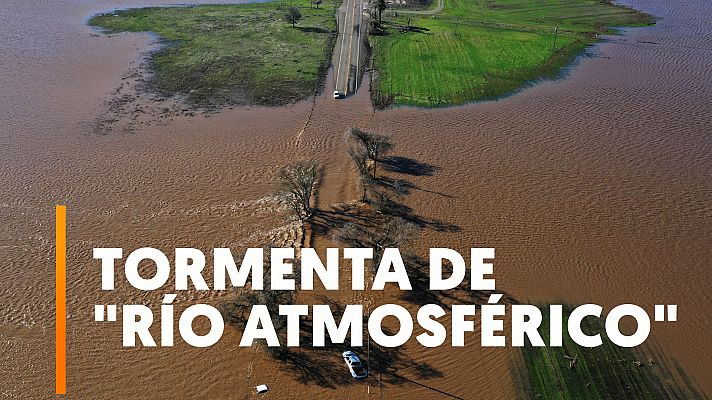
(355, 365)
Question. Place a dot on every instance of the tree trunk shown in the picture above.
(304, 236)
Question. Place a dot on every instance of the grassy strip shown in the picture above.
(604, 372)
(483, 49)
(233, 54)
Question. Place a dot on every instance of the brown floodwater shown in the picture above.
(593, 188)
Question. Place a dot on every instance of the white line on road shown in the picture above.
(341, 50)
(351, 47)
(358, 51)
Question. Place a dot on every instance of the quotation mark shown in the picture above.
(110, 312)
(660, 313)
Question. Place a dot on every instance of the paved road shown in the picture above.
(349, 50)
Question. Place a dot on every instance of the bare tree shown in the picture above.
(376, 145)
(381, 7)
(293, 15)
(360, 159)
(386, 200)
(394, 232)
(296, 184)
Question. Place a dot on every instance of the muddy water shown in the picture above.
(592, 188)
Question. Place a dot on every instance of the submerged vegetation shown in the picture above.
(604, 372)
(296, 185)
(234, 54)
(482, 49)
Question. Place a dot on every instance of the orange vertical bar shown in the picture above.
(61, 299)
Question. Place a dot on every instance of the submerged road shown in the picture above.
(349, 49)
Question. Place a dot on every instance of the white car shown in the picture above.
(355, 366)
(337, 94)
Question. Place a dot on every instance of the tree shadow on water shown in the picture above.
(324, 366)
(389, 201)
(419, 276)
(408, 166)
(325, 220)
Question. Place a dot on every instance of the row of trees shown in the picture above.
(296, 184)
(388, 229)
(366, 155)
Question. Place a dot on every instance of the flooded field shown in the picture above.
(592, 188)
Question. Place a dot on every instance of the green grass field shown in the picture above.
(604, 372)
(233, 54)
(483, 49)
